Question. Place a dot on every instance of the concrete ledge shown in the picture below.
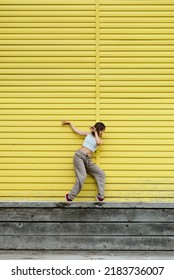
(47, 204)
(85, 255)
(86, 226)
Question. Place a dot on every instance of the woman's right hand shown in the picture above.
(93, 129)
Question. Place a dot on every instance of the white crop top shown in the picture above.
(90, 142)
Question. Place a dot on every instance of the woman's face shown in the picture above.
(101, 132)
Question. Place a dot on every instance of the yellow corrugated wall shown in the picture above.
(85, 61)
(137, 98)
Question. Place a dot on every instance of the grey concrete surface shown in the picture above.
(86, 255)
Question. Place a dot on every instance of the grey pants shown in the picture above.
(83, 165)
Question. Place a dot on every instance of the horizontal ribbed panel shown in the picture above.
(136, 61)
(47, 74)
(84, 61)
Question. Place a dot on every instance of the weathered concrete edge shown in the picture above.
(52, 204)
(85, 255)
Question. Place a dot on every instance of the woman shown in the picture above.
(83, 164)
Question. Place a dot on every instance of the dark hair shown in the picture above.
(99, 127)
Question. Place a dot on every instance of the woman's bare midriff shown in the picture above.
(86, 151)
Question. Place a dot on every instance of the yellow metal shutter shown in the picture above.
(137, 98)
(86, 61)
(47, 74)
